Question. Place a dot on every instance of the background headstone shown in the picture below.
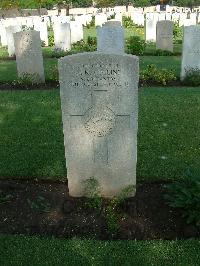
(3, 34)
(150, 27)
(10, 39)
(100, 19)
(76, 31)
(191, 49)
(164, 35)
(29, 55)
(62, 36)
(110, 39)
(41, 26)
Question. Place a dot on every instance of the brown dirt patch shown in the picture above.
(45, 208)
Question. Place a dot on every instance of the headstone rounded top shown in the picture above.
(89, 55)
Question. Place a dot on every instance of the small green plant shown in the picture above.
(92, 41)
(192, 77)
(92, 192)
(54, 75)
(109, 210)
(135, 45)
(111, 213)
(163, 52)
(82, 46)
(51, 40)
(159, 76)
(92, 23)
(177, 32)
(112, 16)
(39, 204)
(185, 196)
(127, 22)
(27, 79)
(57, 53)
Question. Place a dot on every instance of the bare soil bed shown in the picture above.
(45, 208)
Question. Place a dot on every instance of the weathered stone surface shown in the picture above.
(29, 55)
(191, 49)
(62, 36)
(150, 27)
(112, 23)
(110, 39)
(10, 39)
(164, 35)
(99, 98)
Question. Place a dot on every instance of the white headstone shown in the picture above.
(150, 28)
(164, 35)
(191, 49)
(161, 16)
(99, 100)
(100, 19)
(29, 55)
(3, 34)
(76, 31)
(118, 17)
(62, 36)
(110, 39)
(10, 39)
(41, 26)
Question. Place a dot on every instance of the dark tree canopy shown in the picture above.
(6, 4)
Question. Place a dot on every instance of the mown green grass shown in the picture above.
(128, 32)
(35, 251)
(151, 49)
(135, 31)
(31, 138)
(167, 62)
(3, 52)
(8, 69)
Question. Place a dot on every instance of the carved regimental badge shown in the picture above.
(99, 120)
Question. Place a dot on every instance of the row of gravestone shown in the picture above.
(99, 101)
(64, 35)
(183, 19)
(110, 39)
(67, 32)
(27, 46)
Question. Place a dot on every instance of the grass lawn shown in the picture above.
(150, 48)
(167, 62)
(31, 143)
(23, 251)
(128, 32)
(8, 68)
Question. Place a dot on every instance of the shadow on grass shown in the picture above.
(31, 143)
